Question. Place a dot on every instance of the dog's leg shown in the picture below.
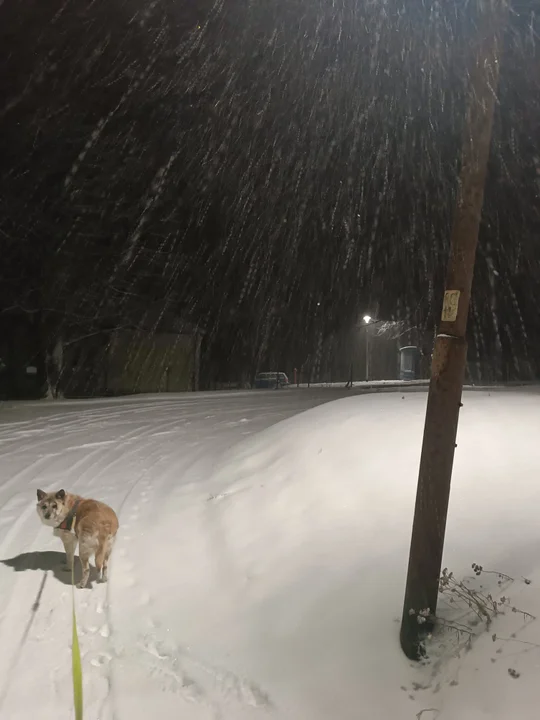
(86, 550)
(106, 563)
(69, 541)
(102, 558)
(70, 545)
(100, 562)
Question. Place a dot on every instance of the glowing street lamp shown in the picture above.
(367, 319)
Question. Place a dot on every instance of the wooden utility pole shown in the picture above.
(450, 353)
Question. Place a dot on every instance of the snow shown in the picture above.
(371, 384)
(260, 565)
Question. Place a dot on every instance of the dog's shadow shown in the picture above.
(49, 561)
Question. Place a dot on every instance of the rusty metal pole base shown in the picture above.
(444, 401)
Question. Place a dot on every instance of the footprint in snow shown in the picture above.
(105, 631)
(101, 660)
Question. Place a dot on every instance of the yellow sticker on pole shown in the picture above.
(450, 305)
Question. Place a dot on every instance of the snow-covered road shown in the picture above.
(260, 564)
(138, 454)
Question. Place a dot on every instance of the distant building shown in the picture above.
(158, 354)
(130, 360)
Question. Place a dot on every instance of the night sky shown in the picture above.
(264, 170)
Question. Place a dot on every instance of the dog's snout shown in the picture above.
(47, 516)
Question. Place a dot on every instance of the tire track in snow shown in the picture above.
(68, 428)
(140, 433)
(19, 527)
(74, 418)
(13, 664)
(187, 419)
(147, 436)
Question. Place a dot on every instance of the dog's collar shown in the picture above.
(68, 522)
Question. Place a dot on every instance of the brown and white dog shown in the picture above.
(90, 523)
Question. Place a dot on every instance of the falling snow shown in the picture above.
(235, 163)
(239, 186)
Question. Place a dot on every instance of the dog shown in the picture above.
(90, 523)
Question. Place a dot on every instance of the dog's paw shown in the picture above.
(65, 567)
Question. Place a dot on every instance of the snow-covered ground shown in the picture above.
(260, 564)
(369, 384)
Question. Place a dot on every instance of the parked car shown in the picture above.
(271, 380)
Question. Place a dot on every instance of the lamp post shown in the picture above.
(367, 319)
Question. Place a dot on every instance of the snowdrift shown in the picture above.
(290, 560)
(260, 567)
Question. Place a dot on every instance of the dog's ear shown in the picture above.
(61, 494)
(41, 495)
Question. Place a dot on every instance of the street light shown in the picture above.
(367, 319)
